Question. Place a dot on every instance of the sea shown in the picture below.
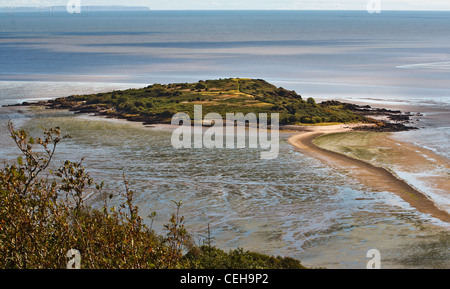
(293, 205)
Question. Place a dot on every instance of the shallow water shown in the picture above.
(292, 205)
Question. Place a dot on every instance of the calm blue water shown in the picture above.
(292, 206)
(296, 47)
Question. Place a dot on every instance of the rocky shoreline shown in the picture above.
(387, 120)
(381, 119)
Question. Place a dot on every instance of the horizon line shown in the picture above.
(209, 9)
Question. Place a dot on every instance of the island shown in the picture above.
(157, 103)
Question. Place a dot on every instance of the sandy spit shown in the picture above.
(369, 175)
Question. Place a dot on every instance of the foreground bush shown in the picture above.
(207, 257)
(42, 218)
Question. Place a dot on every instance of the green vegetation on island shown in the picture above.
(157, 103)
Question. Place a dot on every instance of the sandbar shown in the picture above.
(372, 176)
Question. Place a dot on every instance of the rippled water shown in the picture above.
(292, 205)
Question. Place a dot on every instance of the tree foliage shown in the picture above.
(157, 103)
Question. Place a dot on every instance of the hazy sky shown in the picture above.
(249, 4)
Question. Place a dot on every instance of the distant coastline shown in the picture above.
(59, 8)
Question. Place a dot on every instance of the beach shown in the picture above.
(376, 177)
